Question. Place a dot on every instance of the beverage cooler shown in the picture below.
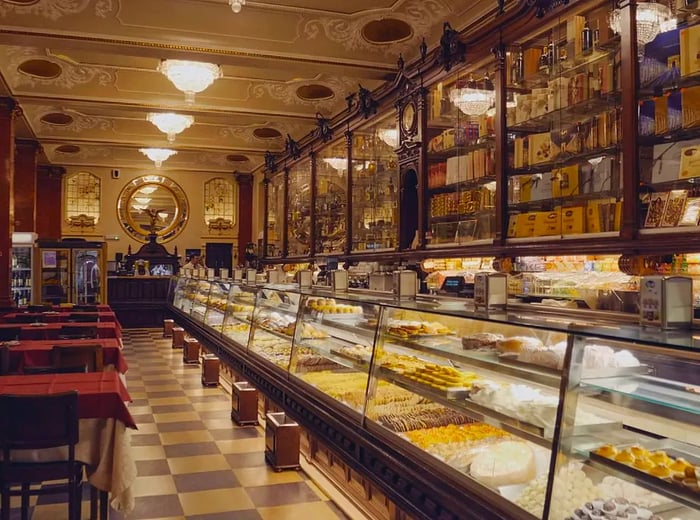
(69, 271)
(21, 283)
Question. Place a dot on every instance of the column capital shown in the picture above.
(50, 170)
(243, 178)
(9, 107)
(28, 144)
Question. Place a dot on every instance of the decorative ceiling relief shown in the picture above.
(71, 74)
(246, 133)
(218, 159)
(420, 15)
(79, 122)
(288, 92)
(84, 153)
(55, 9)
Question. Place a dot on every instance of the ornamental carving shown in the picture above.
(452, 50)
(81, 221)
(72, 74)
(245, 133)
(55, 9)
(80, 122)
(421, 15)
(324, 130)
(286, 92)
(85, 152)
(542, 7)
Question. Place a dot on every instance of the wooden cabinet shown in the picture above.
(138, 301)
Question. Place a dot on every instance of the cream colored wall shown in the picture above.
(195, 233)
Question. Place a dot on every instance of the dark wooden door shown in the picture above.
(219, 255)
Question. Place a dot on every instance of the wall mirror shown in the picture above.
(153, 204)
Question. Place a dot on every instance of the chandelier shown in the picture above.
(652, 18)
(236, 5)
(157, 155)
(474, 99)
(389, 135)
(190, 77)
(170, 123)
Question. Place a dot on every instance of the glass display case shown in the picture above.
(177, 293)
(200, 299)
(299, 209)
(275, 216)
(668, 97)
(564, 124)
(239, 313)
(331, 198)
(216, 304)
(333, 347)
(274, 323)
(541, 418)
(461, 173)
(375, 181)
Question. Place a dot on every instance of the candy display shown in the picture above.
(452, 433)
(408, 328)
(505, 463)
(571, 488)
(618, 507)
(329, 306)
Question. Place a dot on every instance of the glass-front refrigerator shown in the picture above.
(21, 282)
(70, 272)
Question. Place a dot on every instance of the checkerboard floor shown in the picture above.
(193, 461)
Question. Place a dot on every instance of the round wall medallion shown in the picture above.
(21, 2)
(266, 133)
(43, 69)
(237, 158)
(386, 30)
(57, 119)
(314, 92)
(69, 149)
(153, 204)
(408, 117)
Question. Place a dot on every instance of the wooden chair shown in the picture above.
(76, 355)
(39, 308)
(39, 422)
(83, 318)
(10, 333)
(4, 360)
(73, 332)
(51, 369)
(25, 318)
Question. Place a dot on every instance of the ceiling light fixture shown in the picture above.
(474, 99)
(157, 155)
(170, 123)
(190, 77)
(389, 135)
(147, 190)
(652, 18)
(236, 5)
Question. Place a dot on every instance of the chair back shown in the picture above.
(4, 360)
(76, 355)
(85, 308)
(10, 333)
(39, 308)
(83, 318)
(51, 369)
(76, 332)
(25, 318)
(38, 422)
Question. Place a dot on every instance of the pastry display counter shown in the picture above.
(457, 414)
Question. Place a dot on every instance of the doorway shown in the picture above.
(219, 255)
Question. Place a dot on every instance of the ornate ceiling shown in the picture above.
(85, 71)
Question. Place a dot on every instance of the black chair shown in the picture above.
(4, 360)
(83, 318)
(52, 369)
(73, 332)
(39, 422)
(75, 355)
(10, 333)
(85, 308)
(25, 318)
(39, 308)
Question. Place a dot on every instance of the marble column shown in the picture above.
(245, 213)
(8, 112)
(26, 156)
(48, 200)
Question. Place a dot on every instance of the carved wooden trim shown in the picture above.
(452, 49)
(542, 7)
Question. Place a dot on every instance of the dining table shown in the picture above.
(31, 353)
(105, 428)
(52, 330)
(57, 316)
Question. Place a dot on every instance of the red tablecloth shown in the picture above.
(38, 352)
(56, 316)
(101, 395)
(67, 308)
(52, 330)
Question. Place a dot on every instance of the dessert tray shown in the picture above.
(679, 479)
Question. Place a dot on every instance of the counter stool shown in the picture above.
(178, 337)
(210, 370)
(168, 328)
(190, 351)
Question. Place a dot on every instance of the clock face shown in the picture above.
(409, 116)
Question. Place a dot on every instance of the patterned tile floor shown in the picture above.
(193, 461)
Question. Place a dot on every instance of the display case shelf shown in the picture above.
(565, 159)
(442, 155)
(464, 185)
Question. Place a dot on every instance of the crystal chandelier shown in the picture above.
(171, 123)
(236, 5)
(390, 136)
(157, 155)
(190, 77)
(652, 18)
(474, 100)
